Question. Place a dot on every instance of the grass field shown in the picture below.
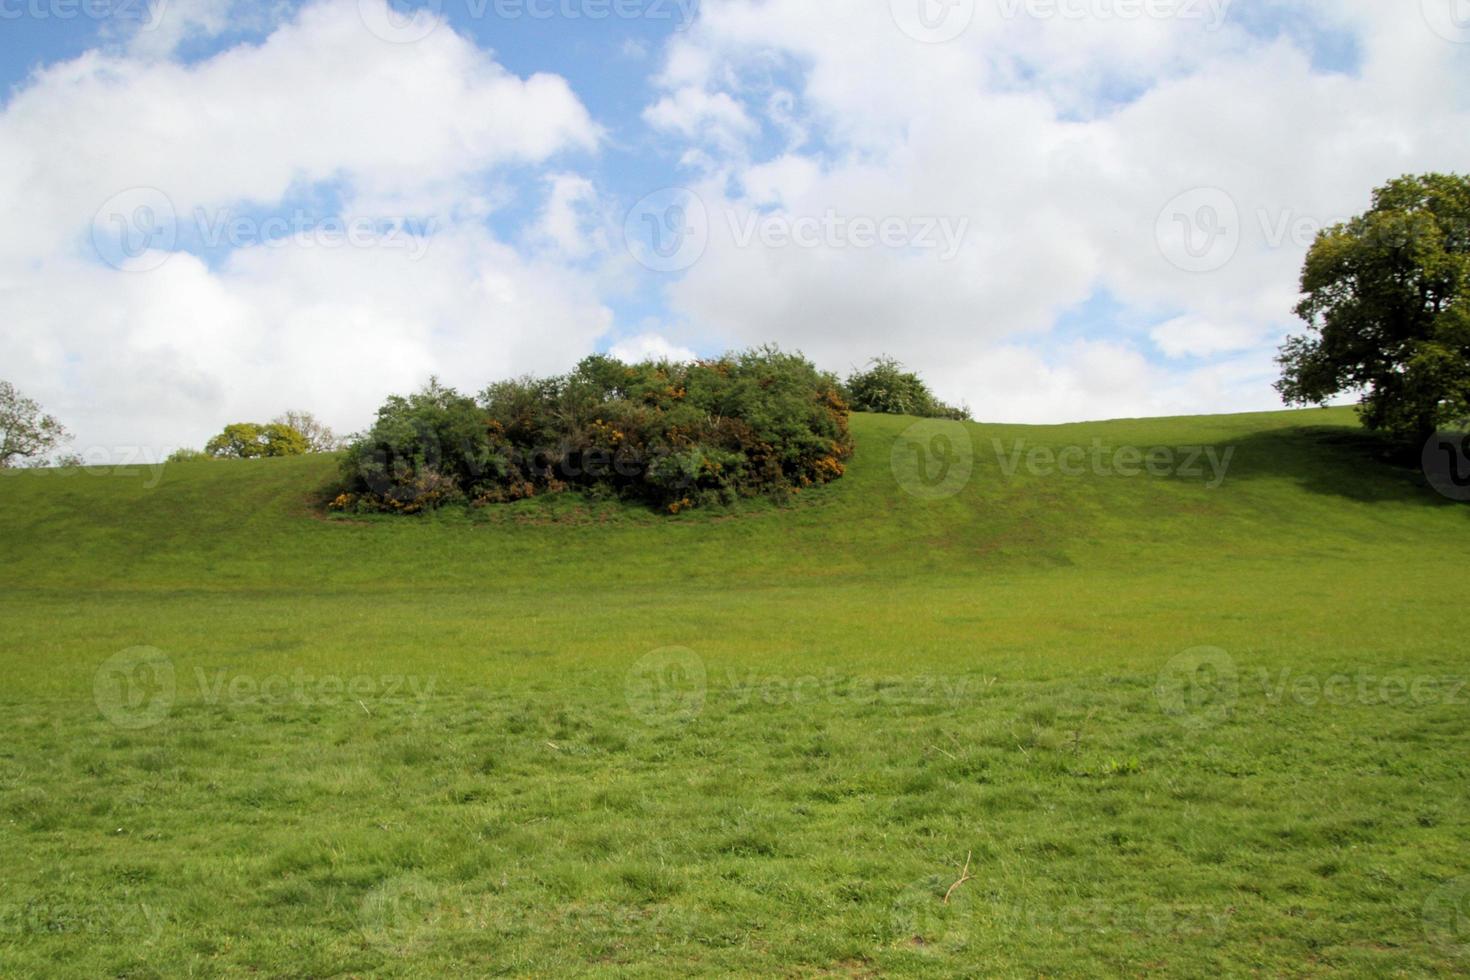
(1176, 729)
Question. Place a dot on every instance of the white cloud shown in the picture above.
(650, 347)
(697, 114)
(1061, 141)
(1193, 336)
(160, 26)
(570, 222)
(170, 355)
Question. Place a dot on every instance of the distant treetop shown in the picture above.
(885, 387)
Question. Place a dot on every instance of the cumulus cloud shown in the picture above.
(1176, 165)
(650, 347)
(402, 136)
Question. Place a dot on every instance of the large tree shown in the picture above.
(1387, 303)
(27, 434)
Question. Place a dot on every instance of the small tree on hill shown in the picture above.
(27, 434)
(319, 437)
(247, 440)
(885, 387)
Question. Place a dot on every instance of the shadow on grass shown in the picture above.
(1338, 461)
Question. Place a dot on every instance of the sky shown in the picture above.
(213, 211)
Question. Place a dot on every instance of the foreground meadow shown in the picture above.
(1173, 728)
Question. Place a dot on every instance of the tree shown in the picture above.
(319, 437)
(247, 440)
(1387, 302)
(885, 387)
(27, 434)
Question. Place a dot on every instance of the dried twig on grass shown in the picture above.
(964, 877)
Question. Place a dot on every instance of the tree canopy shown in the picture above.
(319, 437)
(248, 440)
(1386, 297)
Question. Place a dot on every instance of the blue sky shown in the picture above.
(1093, 212)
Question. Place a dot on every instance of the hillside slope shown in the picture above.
(1298, 484)
(566, 738)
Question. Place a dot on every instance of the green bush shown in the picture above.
(187, 456)
(885, 387)
(673, 435)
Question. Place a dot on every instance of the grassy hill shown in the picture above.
(1176, 727)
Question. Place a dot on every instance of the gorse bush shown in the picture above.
(885, 387)
(673, 435)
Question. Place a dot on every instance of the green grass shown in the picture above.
(412, 747)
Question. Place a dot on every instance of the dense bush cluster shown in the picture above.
(885, 387)
(674, 435)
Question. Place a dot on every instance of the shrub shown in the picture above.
(885, 387)
(187, 456)
(673, 435)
